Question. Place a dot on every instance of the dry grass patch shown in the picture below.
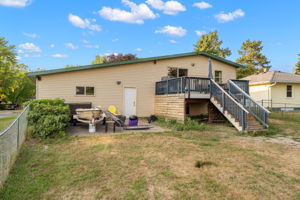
(155, 166)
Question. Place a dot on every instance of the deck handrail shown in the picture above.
(229, 104)
(183, 85)
(258, 111)
(229, 96)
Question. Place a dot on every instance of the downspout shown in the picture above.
(269, 94)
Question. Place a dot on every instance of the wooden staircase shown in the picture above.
(238, 107)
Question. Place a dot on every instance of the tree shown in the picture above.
(211, 44)
(297, 66)
(119, 57)
(252, 58)
(15, 86)
(99, 60)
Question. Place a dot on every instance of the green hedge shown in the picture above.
(48, 118)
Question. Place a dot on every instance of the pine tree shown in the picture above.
(297, 66)
(211, 44)
(252, 58)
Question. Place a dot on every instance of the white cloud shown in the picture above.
(115, 40)
(15, 3)
(52, 45)
(18, 57)
(32, 56)
(200, 33)
(138, 49)
(59, 55)
(173, 41)
(168, 7)
(30, 47)
(71, 46)
(92, 46)
(20, 51)
(226, 17)
(31, 35)
(136, 15)
(83, 23)
(84, 41)
(202, 5)
(172, 31)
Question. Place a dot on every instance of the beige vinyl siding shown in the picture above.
(142, 76)
(260, 92)
(279, 98)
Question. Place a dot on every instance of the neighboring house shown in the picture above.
(175, 86)
(276, 90)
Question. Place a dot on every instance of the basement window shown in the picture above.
(289, 91)
(85, 91)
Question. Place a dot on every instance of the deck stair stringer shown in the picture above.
(228, 116)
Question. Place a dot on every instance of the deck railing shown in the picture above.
(258, 111)
(183, 85)
(243, 84)
(229, 104)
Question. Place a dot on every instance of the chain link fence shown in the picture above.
(11, 140)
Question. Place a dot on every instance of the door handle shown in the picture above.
(134, 103)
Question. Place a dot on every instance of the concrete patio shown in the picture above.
(82, 129)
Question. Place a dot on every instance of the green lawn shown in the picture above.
(214, 162)
(6, 121)
(287, 123)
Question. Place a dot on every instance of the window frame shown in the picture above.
(177, 71)
(220, 81)
(85, 95)
(291, 91)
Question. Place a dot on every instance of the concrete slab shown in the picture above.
(82, 129)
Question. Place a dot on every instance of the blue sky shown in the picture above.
(53, 33)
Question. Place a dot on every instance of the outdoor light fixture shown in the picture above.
(193, 64)
(39, 78)
(119, 82)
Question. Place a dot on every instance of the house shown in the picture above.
(176, 86)
(276, 90)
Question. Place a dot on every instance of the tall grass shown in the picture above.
(187, 125)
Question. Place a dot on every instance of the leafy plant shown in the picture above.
(48, 118)
(187, 125)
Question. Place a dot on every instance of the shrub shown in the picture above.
(188, 125)
(48, 118)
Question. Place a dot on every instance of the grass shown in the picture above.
(6, 121)
(192, 161)
(188, 125)
(167, 165)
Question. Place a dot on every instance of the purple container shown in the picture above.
(133, 122)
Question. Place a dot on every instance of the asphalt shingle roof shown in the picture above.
(273, 77)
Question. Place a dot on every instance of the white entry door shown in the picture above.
(130, 101)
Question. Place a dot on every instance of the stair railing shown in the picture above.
(229, 104)
(258, 111)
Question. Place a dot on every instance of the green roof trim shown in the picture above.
(140, 60)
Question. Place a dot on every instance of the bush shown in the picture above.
(188, 125)
(48, 118)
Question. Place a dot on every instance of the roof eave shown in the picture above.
(63, 70)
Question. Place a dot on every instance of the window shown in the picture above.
(289, 91)
(79, 90)
(88, 91)
(177, 72)
(218, 76)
